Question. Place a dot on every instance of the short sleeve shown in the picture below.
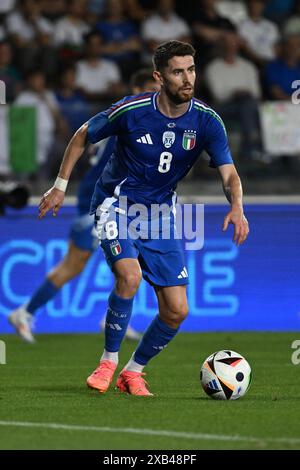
(216, 142)
(107, 123)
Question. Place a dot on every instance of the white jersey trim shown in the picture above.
(126, 105)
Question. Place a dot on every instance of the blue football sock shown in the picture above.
(117, 319)
(44, 293)
(155, 339)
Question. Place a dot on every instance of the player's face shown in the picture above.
(178, 79)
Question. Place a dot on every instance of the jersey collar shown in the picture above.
(154, 102)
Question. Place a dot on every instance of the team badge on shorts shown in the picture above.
(168, 139)
(115, 248)
(189, 140)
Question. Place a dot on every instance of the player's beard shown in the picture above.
(180, 97)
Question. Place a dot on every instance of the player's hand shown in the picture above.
(241, 226)
(52, 199)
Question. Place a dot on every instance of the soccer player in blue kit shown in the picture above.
(159, 138)
(83, 237)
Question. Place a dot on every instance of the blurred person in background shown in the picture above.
(292, 25)
(70, 30)
(8, 72)
(99, 79)
(139, 10)
(235, 88)
(6, 6)
(95, 10)
(72, 103)
(31, 35)
(83, 239)
(283, 71)
(234, 10)
(209, 29)
(278, 10)
(260, 35)
(53, 10)
(163, 25)
(73, 106)
(48, 117)
(121, 42)
(2, 30)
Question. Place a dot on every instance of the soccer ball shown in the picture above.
(225, 375)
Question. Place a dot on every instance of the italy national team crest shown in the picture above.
(189, 140)
(115, 248)
(168, 139)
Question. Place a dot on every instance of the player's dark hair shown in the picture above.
(141, 77)
(164, 52)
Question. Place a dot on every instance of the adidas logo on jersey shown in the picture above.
(146, 139)
(183, 273)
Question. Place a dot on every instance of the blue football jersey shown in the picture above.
(87, 184)
(153, 151)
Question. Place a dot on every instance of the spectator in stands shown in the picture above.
(96, 9)
(70, 30)
(139, 10)
(98, 78)
(48, 116)
(233, 10)
(6, 6)
(292, 25)
(8, 73)
(234, 85)
(121, 42)
(209, 29)
(260, 35)
(2, 30)
(278, 10)
(72, 103)
(31, 34)
(162, 26)
(283, 71)
(53, 10)
(96, 6)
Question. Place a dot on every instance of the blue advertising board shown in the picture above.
(252, 287)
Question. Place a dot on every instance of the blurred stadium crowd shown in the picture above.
(71, 58)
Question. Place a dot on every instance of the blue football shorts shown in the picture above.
(152, 243)
(83, 233)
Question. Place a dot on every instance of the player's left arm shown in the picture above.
(217, 148)
(233, 191)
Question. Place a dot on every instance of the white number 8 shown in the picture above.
(111, 229)
(165, 162)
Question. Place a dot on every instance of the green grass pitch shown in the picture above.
(44, 384)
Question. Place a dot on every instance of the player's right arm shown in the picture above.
(97, 128)
(54, 198)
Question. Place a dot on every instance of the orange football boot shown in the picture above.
(102, 377)
(133, 383)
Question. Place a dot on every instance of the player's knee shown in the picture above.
(129, 283)
(178, 312)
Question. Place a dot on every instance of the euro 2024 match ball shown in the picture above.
(225, 375)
